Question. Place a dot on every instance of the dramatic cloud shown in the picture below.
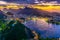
(43, 2)
(47, 3)
(36, 1)
(50, 3)
(3, 2)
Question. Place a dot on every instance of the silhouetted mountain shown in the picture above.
(2, 16)
(9, 13)
(17, 32)
(55, 14)
(34, 12)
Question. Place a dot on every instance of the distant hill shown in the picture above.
(36, 12)
(2, 16)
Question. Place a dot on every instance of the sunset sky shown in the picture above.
(43, 2)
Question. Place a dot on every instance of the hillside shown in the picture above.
(37, 12)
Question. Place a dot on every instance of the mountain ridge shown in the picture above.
(37, 12)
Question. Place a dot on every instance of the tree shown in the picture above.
(2, 28)
(17, 32)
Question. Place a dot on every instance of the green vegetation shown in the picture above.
(17, 32)
(2, 25)
(12, 31)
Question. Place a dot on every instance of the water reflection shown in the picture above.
(45, 29)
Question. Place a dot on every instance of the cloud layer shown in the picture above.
(45, 2)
